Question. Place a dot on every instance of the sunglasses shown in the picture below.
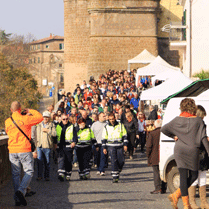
(65, 119)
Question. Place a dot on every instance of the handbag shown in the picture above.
(33, 146)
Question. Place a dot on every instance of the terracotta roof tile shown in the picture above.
(47, 39)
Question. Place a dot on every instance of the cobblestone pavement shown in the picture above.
(132, 191)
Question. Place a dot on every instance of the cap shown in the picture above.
(46, 114)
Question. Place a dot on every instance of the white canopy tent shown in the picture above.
(164, 76)
(144, 57)
(156, 67)
(169, 87)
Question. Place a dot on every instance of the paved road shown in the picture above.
(132, 191)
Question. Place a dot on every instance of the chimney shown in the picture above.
(50, 35)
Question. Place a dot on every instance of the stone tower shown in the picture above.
(104, 34)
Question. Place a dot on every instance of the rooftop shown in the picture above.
(51, 37)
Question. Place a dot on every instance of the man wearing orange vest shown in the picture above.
(20, 148)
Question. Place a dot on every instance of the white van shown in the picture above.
(168, 169)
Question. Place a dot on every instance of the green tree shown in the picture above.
(16, 84)
(4, 37)
(202, 75)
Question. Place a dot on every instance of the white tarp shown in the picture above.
(167, 88)
(164, 76)
(144, 57)
(156, 67)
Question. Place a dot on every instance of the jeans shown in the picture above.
(27, 161)
(43, 157)
(102, 159)
(75, 159)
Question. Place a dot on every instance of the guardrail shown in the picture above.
(5, 166)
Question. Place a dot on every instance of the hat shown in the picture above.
(46, 114)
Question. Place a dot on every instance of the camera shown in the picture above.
(24, 112)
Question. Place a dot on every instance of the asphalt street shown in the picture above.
(132, 190)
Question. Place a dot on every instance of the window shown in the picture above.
(38, 46)
(38, 59)
(31, 48)
(30, 61)
(61, 46)
(60, 65)
(47, 46)
(61, 78)
(34, 47)
(34, 60)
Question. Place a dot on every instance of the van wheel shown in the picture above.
(173, 179)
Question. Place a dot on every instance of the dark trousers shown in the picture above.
(187, 177)
(65, 159)
(117, 160)
(131, 142)
(100, 159)
(141, 140)
(157, 180)
(84, 155)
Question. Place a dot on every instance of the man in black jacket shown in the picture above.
(127, 109)
(153, 113)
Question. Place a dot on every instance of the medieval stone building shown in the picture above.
(104, 34)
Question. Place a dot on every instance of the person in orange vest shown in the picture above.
(19, 146)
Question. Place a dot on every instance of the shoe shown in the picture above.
(163, 191)
(38, 179)
(174, 198)
(115, 180)
(61, 177)
(202, 193)
(81, 178)
(67, 178)
(131, 157)
(95, 165)
(102, 174)
(75, 165)
(186, 204)
(192, 194)
(17, 203)
(29, 194)
(21, 197)
(156, 191)
(47, 179)
(87, 176)
(98, 172)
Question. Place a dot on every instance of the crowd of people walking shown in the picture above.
(103, 121)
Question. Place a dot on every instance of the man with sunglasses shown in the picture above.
(66, 134)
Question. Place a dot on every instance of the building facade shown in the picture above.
(171, 15)
(195, 42)
(47, 63)
(104, 34)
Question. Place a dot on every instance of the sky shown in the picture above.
(39, 17)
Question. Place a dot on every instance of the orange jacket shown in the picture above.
(17, 142)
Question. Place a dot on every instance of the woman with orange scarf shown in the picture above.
(191, 132)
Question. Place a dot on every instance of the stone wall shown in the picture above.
(173, 57)
(5, 166)
(104, 34)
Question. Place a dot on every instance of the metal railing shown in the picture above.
(177, 32)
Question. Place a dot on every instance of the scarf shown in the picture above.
(186, 114)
